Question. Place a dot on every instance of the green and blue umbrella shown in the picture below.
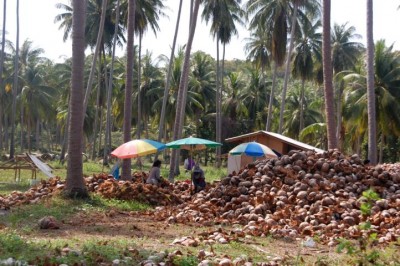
(192, 143)
(253, 149)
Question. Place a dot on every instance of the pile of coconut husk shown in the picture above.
(299, 194)
(107, 186)
(164, 194)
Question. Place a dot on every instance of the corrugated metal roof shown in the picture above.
(283, 138)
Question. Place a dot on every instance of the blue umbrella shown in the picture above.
(253, 149)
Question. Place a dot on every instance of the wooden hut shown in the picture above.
(277, 142)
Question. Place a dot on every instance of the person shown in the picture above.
(198, 178)
(115, 169)
(154, 175)
(189, 164)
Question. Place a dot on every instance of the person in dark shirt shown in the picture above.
(198, 179)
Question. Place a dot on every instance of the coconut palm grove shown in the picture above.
(303, 77)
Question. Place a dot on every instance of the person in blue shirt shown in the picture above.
(115, 169)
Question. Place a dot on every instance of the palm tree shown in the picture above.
(313, 7)
(63, 72)
(202, 84)
(147, 14)
(75, 184)
(181, 101)
(233, 105)
(224, 15)
(258, 49)
(168, 77)
(274, 18)
(307, 49)
(327, 68)
(99, 33)
(15, 87)
(94, 11)
(370, 86)
(172, 96)
(96, 53)
(151, 78)
(36, 99)
(345, 54)
(27, 56)
(3, 43)
(298, 117)
(126, 166)
(255, 96)
(386, 87)
(107, 140)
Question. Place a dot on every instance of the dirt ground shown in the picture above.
(156, 236)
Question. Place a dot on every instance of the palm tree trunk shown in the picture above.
(3, 43)
(370, 85)
(75, 184)
(96, 52)
(339, 115)
(301, 126)
(381, 147)
(65, 139)
(21, 125)
(217, 101)
(1, 128)
(100, 128)
(146, 126)
(29, 127)
(37, 134)
(327, 68)
(15, 87)
(181, 101)
(50, 143)
(107, 141)
(271, 97)
(126, 165)
(168, 82)
(220, 106)
(287, 69)
(139, 90)
(6, 135)
(96, 113)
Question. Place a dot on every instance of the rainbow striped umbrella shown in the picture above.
(253, 148)
(137, 148)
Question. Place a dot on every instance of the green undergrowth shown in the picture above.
(92, 251)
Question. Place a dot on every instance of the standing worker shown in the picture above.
(189, 164)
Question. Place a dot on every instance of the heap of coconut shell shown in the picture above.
(299, 194)
(108, 187)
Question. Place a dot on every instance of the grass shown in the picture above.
(92, 251)
(26, 216)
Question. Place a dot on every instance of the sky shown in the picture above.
(37, 24)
